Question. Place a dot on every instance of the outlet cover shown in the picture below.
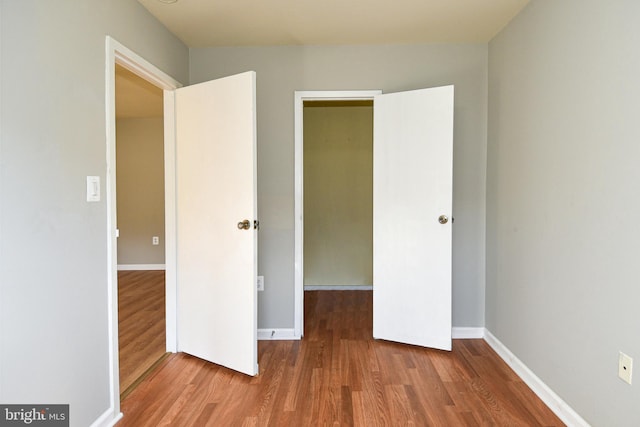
(261, 283)
(625, 367)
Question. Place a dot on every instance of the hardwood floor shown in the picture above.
(141, 324)
(338, 375)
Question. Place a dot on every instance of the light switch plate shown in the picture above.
(93, 189)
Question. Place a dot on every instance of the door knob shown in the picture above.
(244, 225)
(442, 219)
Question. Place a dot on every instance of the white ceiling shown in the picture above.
(203, 23)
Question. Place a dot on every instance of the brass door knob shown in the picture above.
(244, 225)
(442, 219)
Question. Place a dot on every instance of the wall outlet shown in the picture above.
(155, 240)
(261, 283)
(625, 367)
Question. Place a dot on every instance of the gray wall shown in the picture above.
(283, 70)
(140, 190)
(562, 199)
(53, 244)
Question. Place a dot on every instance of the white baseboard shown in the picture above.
(108, 419)
(338, 287)
(548, 396)
(277, 334)
(466, 333)
(123, 267)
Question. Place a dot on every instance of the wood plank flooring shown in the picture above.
(339, 376)
(141, 324)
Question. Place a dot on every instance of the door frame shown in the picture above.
(117, 53)
(299, 98)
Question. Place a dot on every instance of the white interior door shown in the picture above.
(412, 189)
(215, 191)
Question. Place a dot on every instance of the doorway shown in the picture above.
(338, 202)
(141, 218)
(118, 54)
(323, 98)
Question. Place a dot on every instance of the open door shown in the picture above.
(412, 203)
(216, 207)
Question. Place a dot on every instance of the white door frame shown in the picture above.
(300, 97)
(117, 53)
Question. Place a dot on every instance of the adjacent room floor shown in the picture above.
(141, 324)
(339, 375)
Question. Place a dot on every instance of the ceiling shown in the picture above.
(207, 23)
(135, 97)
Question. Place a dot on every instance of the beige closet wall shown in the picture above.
(338, 190)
